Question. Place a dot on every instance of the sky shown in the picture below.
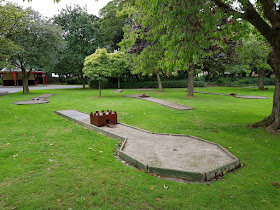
(48, 8)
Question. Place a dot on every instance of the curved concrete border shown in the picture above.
(212, 158)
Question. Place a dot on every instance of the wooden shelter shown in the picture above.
(13, 77)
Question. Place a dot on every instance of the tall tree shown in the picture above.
(181, 32)
(253, 54)
(12, 21)
(264, 15)
(112, 20)
(40, 42)
(82, 36)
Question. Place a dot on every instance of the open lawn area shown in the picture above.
(46, 163)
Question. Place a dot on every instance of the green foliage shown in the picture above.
(82, 38)
(101, 65)
(40, 43)
(72, 81)
(148, 84)
(253, 53)
(112, 20)
(96, 65)
(12, 21)
(242, 81)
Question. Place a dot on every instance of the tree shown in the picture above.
(118, 64)
(253, 54)
(179, 32)
(264, 15)
(82, 37)
(40, 42)
(12, 21)
(112, 20)
(102, 65)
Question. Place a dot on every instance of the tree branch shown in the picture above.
(251, 15)
(227, 8)
(269, 8)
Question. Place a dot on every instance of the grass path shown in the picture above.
(45, 160)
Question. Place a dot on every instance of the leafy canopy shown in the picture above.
(101, 64)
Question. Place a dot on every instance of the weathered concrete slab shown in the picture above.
(118, 91)
(38, 100)
(169, 104)
(171, 155)
(237, 96)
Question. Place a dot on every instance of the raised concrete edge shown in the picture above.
(187, 107)
(191, 176)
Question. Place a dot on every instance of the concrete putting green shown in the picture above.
(179, 156)
(234, 95)
(169, 104)
(38, 100)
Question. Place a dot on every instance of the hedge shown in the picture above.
(147, 84)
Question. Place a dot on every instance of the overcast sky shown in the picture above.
(49, 8)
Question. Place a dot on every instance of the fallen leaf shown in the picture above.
(105, 199)
(58, 200)
(27, 161)
(229, 147)
(151, 188)
(5, 145)
(93, 193)
(142, 170)
(157, 199)
(15, 155)
(215, 131)
(51, 160)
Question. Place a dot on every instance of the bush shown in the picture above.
(73, 81)
(242, 81)
(0, 81)
(148, 84)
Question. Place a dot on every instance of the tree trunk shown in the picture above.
(25, 84)
(159, 83)
(119, 83)
(25, 88)
(190, 83)
(99, 86)
(261, 79)
(84, 81)
(272, 122)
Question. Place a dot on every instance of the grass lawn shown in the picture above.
(45, 161)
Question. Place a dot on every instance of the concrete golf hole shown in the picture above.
(42, 99)
(169, 104)
(235, 95)
(177, 156)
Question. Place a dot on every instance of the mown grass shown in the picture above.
(36, 175)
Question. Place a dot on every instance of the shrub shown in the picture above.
(73, 81)
(148, 84)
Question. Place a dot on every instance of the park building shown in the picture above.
(13, 77)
